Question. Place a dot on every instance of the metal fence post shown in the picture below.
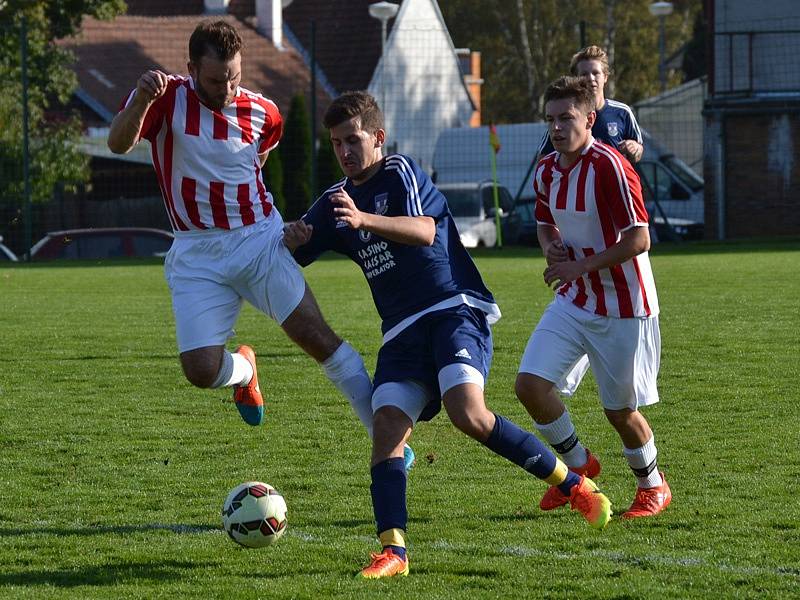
(314, 144)
(25, 135)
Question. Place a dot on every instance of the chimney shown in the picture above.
(215, 7)
(470, 63)
(269, 20)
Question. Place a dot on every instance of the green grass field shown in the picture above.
(113, 469)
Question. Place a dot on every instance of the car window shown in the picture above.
(525, 208)
(656, 180)
(682, 171)
(463, 203)
(504, 199)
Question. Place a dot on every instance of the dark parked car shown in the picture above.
(100, 243)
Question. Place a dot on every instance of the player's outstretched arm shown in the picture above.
(414, 231)
(127, 125)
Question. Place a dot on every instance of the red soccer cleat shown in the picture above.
(553, 497)
(588, 500)
(385, 564)
(648, 502)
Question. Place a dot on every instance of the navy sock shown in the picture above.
(571, 480)
(388, 491)
(524, 449)
(398, 551)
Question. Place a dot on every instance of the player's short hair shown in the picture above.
(216, 38)
(576, 88)
(590, 53)
(354, 104)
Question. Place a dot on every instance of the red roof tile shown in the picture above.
(348, 40)
(111, 55)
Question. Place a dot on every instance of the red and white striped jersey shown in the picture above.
(592, 203)
(207, 160)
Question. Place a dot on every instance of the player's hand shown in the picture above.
(630, 149)
(151, 86)
(558, 274)
(296, 233)
(345, 210)
(556, 252)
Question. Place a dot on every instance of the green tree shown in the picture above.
(53, 130)
(525, 44)
(328, 169)
(296, 157)
(694, 59)
(273, 177)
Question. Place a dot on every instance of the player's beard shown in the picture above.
(214, 103)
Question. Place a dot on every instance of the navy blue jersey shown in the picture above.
(406, 281)
(615, 122)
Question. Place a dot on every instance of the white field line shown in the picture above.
(619, 557)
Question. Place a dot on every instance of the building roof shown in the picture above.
(348, 39)
(112, 55)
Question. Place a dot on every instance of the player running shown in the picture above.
(592, 227)
(614, 124)
(387, 216)
(209, 139)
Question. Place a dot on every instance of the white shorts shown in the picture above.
(624, 354)
(210, 272)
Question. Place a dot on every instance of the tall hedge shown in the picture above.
(273, 178)
(296, 157)
(328, 169)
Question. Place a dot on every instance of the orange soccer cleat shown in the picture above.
(648, 502)
(385, 564)
(553, 497)
(588, 500)
(248, 397)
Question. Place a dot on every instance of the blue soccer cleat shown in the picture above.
(409, 458)
(248, 397)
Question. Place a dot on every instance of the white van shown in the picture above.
(672, 191)
(472, 207)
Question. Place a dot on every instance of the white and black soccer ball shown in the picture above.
(254, 514)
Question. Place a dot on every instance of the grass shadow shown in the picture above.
(108, 529)
(105, 575)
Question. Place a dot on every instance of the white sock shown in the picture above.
(345, 368)
(643, 464)
(235, 370)
(561, 435)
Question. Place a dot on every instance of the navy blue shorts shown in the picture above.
(419, 352)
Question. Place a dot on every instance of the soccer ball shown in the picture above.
(254, 514)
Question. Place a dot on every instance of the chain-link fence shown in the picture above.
(753, 124)
(430, 93)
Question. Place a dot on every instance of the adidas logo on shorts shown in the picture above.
(463, 354)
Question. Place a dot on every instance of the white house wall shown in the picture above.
(675, 119)
(424, 91)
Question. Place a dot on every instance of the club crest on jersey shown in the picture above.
(381, 204)
(613, 129)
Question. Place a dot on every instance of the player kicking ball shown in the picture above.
(592, 227)
(387, 216)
